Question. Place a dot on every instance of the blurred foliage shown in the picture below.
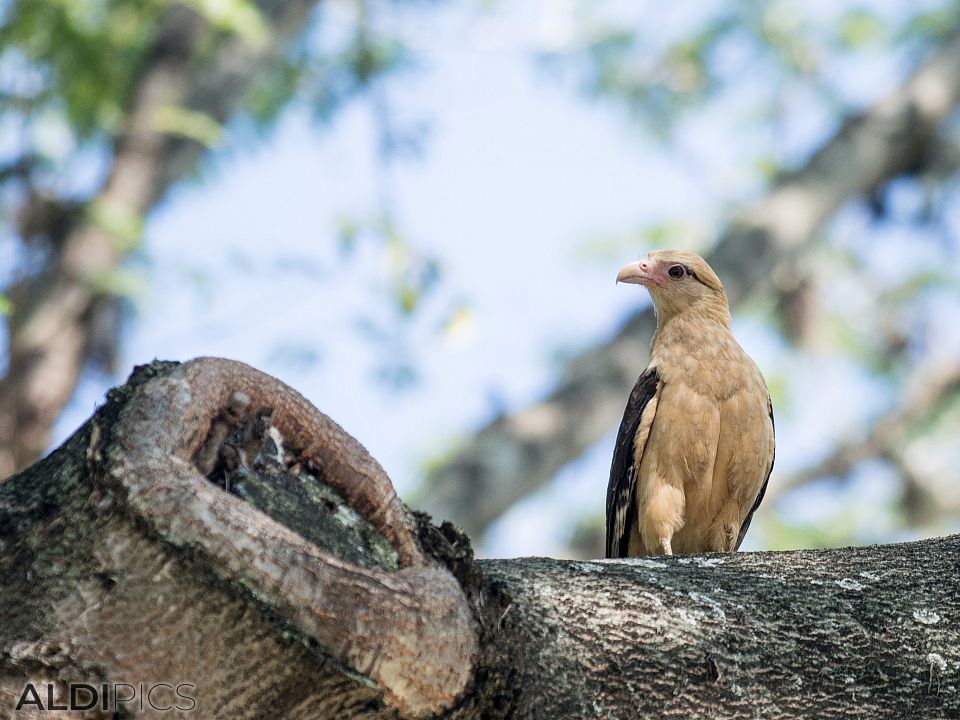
(81, 59)
(75, 57)
(70, 70)
(411, 279)
(589, 537)
(412, 273)
(327, 77)
(123, 226)
(611, 247)
(120, 282)
(190, 124)
(659, 70)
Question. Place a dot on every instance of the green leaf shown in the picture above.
(119, 282)
(408, 297)
(859, 28)
(459, 323)
(666, 234)
(767, 168)
(5, 305)
(270, 92)
(237, 16)
(124, 226)
(938, 22)
(189, 124)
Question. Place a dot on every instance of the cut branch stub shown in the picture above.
(411, 630)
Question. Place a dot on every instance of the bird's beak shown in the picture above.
(638, 273)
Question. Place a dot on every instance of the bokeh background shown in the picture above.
(413, 212)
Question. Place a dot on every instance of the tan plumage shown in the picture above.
(696, 445)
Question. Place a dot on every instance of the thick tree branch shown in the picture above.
(518, 453)
(130, 555)
(369, 619)
(928, 387)
(826, 634)
(52, 325)
(142, 499)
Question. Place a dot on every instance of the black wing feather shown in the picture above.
(621, 505)
(763, 488)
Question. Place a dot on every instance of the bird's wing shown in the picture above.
(763, 488)
(621, 490)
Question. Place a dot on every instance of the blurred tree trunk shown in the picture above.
(210, 529)
(58, 311)
(516, 454)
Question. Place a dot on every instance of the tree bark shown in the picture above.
(209, 527)
(54, 320)
(516, 454)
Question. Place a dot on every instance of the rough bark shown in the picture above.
(53, 326)
(516, 454)
(208, 526)
(119, 532)
(867, 632)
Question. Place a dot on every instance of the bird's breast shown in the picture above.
(710, 364)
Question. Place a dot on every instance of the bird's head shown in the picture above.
(679, 281)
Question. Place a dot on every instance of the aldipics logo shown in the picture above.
(159, 697)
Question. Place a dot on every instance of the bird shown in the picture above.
(696, 445)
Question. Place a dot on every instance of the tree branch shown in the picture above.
(122, 561)
(828, 634)
(928, 386)
(516, 454)
(409, 629)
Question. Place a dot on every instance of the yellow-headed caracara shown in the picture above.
(695, 447)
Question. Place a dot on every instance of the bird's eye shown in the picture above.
(677, 271)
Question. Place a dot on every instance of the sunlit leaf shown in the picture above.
(270, 92)
(666, 234)
(124, 226)
(605, 248)
(237, 16)
(860, 27)
(189, 124)
(767, 168)
(120, 282)
(459, 324)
